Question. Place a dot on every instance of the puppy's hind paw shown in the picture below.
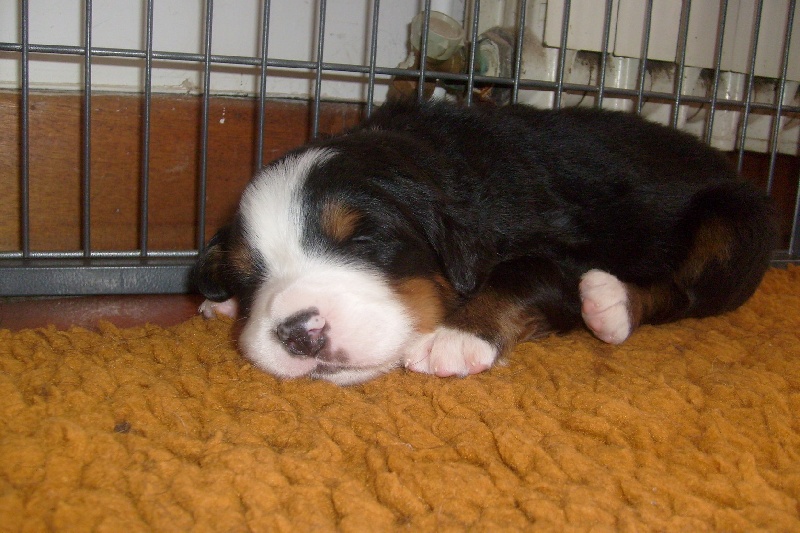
(605, 306)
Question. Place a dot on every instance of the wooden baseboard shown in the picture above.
(755, 167)
(116, 162)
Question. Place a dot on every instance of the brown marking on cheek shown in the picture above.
(427, 299)
(339, 222)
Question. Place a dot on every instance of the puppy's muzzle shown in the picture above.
(303, 333)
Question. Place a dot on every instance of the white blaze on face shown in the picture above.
(366, 324)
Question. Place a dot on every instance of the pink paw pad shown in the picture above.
(210, 309)
(605, 306)
(449, 352)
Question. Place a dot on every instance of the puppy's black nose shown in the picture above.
(303, 333)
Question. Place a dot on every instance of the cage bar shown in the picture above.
(203, 178)
(73, 277)
(26, 271)
(748, 99)
(648, 24)
(601, 83)
(793, 252)
(87, 132)
(712, 105)
(423, 50)
(562, 56)
(518, 50)
(262, 87)
(471, 61)
(144, 205)
(776, 120)
(25, 217)
(681, 69)
(373, 55)
(524, 83)
(318, 68)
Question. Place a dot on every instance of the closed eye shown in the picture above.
(362, 239)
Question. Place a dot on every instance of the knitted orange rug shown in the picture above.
(693, 426)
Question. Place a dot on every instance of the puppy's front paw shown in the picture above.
(605, 306)
(210, 309)
(449, 352)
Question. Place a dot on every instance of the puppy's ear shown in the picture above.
(461, 253)
(210, 272)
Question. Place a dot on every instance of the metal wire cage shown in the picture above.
(25, 270)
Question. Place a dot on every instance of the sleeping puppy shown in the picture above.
(437, 237)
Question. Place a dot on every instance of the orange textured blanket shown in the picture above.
(693, 426)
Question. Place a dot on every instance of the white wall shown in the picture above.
(178, 27)
(628, 17)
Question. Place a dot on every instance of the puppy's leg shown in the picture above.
(450, 352)
(522, 299)
(734, 234)
(605, 306)
(612, 309)
(729, 235)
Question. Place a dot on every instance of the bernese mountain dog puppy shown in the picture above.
(436, 237)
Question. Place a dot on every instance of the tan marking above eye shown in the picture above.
(339, 221)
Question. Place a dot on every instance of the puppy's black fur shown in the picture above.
(506, 208)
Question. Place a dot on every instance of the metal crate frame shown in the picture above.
(90, 271)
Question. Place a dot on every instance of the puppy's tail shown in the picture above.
(734, 232)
